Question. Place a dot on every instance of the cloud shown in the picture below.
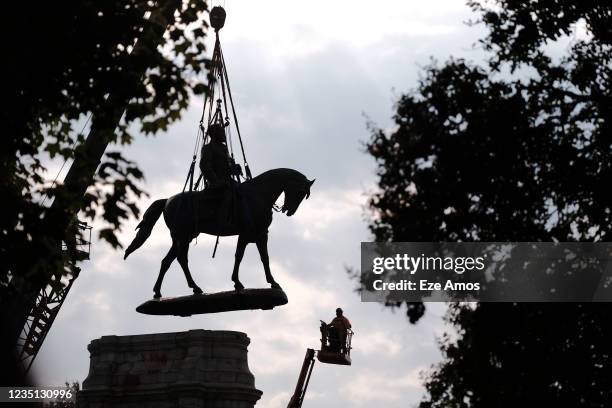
(289, 30)
(278, 400)
(99, 302)
(380, 344)
(378, 387)
(327, 208)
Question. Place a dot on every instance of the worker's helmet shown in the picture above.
(216, 132)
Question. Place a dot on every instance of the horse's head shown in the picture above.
(295, 191)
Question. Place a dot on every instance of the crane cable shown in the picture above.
(229, 92)
(220, 79)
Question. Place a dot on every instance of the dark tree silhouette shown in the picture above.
(66, 59)
(62, 62)
(516, 150)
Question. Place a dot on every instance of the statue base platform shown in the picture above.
(247, 299)
(193, 369)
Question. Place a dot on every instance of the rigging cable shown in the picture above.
(219, 84)
(229, 91)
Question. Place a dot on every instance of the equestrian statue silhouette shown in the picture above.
(250, 214)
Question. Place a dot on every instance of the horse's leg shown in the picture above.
(240, 247)
(262, 246)
(183, 249)
(165, 265)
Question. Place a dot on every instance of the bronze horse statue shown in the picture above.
(190, 213)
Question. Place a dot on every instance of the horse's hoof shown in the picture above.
(238, 286)
(157, 295)
(197, 291)
(275, 285)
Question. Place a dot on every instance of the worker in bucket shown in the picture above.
(338, 328)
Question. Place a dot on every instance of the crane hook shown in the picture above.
(217, 17)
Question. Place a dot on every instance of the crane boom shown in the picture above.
(302, 384)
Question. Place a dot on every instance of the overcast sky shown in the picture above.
(303, 76)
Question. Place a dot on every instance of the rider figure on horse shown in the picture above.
(219, 170)
(216, 164)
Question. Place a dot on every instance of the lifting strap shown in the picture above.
(218, 73)
(229, 92)
(220, 78)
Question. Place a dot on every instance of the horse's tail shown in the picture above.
(145, 227)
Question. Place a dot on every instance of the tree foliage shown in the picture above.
(524, 354)
(71, 389)
(65, 61)
(517, 149)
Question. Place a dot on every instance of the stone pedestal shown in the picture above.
(193, 369)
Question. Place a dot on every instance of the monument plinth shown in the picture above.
(197, 368)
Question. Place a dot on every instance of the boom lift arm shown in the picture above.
(302, 384)
(332, 352)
